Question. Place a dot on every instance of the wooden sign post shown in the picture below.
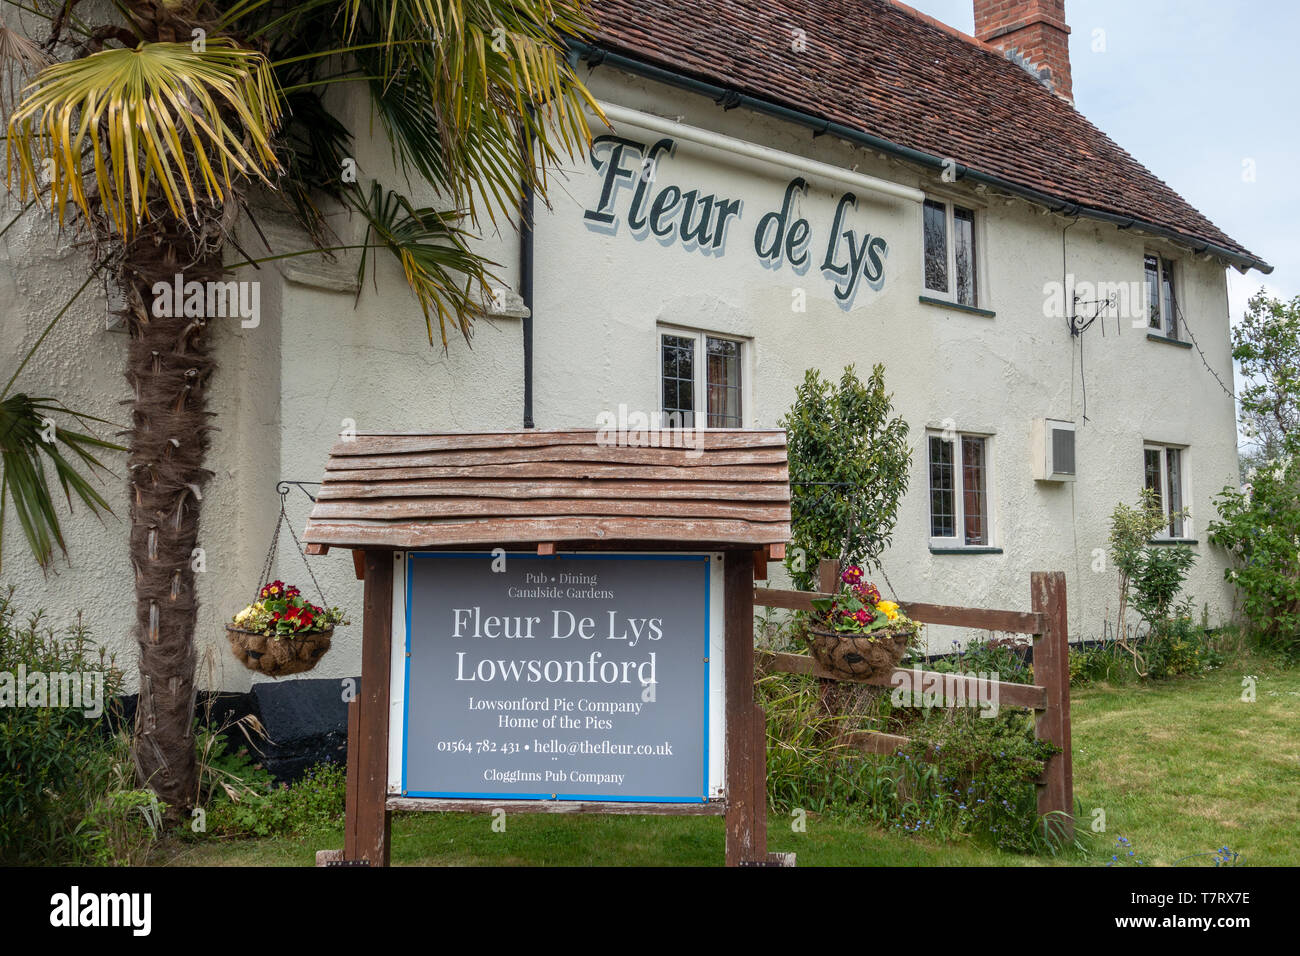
(423, 514)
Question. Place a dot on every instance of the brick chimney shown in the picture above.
(1032, 33)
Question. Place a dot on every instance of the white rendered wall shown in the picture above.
(318, 361)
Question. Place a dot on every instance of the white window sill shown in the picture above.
(951, 546)
(942, 303)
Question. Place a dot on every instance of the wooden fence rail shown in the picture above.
(960, 687)
(1049, 698)
(1016, 622)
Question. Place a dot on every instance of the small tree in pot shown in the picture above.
(849, 462)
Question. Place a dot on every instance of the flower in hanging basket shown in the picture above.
(281, 611)
(857, 634)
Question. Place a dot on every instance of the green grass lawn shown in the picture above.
(1187, 767)
(1180, 768)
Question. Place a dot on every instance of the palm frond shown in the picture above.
(152, 117)
(29, 435)
(448, 280)
(312, 147)
(464, 87)
(19, 57)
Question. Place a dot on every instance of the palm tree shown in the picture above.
(150, 134)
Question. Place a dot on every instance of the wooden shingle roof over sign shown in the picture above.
(717, 487)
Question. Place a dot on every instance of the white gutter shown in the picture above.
(764, 154)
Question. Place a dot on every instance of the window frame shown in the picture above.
(950, 206)
(1186, 525)
(699, 387)
(957, 542)
(1167, 270)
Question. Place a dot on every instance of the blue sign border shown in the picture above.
(412, 556)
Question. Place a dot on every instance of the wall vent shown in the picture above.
(1053, 449)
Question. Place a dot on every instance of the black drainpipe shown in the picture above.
(526, 292)
(526, 281)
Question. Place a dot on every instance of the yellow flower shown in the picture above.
(889, 609)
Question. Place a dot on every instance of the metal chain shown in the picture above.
(270, 552)
(298, 544)
(283, 521)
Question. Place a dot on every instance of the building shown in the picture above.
(785, 186)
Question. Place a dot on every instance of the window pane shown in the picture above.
(936, 246)
(1152, 267)
(974, 501)
(678, 361)
(963, 246)
(943, 504)
(723, 383)
(1151, 474)
(1167, 298)
(1174, 460)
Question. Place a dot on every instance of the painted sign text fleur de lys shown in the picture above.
(701, 222)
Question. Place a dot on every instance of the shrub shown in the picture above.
(310, 804)
(51, 757)
(849, 462)
(1260, 526)
(123, 826)
(809, 766)
(1179, 647)
(1150, 575)
(1176, 646)
(986, 770)
(1006, 657)
(1105, 662)
(1158, 578)
(977, 783)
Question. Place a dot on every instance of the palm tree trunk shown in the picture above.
(168, 367)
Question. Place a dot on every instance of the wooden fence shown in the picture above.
(1049, 698)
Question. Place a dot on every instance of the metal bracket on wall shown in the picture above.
(282, 488)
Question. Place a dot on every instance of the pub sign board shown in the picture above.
(579, 676)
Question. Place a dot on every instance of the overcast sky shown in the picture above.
(1194, 89)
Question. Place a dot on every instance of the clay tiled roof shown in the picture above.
(722, 487)
(883, 69)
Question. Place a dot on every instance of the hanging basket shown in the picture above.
(278, 656)
(859, 657)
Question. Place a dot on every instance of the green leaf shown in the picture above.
(433, 251)
(29, 438)
(167, 114)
